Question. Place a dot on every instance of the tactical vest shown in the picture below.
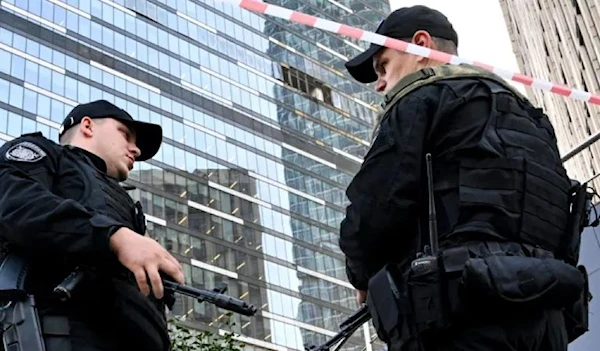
(512, 184)
(142, 318)
(101, 193)
(117, 202)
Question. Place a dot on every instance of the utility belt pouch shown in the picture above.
(522, 282)
(427, 294)
(453, 263)
(576, 315)
(389, 306)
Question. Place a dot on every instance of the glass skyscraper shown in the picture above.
(263, 131)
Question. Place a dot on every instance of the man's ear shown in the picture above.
(422, 38)
(86, 127)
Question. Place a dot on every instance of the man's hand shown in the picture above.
(361, 296)
(144, 256)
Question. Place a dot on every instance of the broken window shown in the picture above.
(306, 84)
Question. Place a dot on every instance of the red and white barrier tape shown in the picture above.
(356, 33)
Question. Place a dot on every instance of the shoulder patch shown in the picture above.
(25, 151)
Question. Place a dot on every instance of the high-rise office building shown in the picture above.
(263, 130)
(558, 41)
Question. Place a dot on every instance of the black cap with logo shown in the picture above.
(148, 135)
(402, 23)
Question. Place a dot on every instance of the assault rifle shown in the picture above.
(348, 327)
(217, 298)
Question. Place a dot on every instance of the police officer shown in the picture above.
(62, 207)
(498, 184)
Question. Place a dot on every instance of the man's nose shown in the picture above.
(136, 151)
(380, 85)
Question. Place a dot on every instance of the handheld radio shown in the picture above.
(425, 277)
(427, 260)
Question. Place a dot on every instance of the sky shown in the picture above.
(483, 37)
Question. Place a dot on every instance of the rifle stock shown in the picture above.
(348, 327)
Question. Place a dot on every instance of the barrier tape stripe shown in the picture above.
(360, 34)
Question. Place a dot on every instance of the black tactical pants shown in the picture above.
(530, 331)
(62, 334)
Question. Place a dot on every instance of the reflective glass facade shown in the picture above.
(558, 41)
(263, 130)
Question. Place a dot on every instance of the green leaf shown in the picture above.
(184, 339)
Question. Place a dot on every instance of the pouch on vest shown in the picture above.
(522, 282)
(576, 315)
(389, 305)
(139, 319)
(513, 197)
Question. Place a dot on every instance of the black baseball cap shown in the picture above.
(402, 23)
(148, 135)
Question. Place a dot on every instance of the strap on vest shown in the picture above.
(442, 72)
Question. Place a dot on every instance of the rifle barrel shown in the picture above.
(220, 300)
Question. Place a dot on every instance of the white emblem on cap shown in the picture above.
(25, 152)
(62, 127)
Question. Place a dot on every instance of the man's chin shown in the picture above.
(122, 174)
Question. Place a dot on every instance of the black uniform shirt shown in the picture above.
(40, 193)
(382, 220)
